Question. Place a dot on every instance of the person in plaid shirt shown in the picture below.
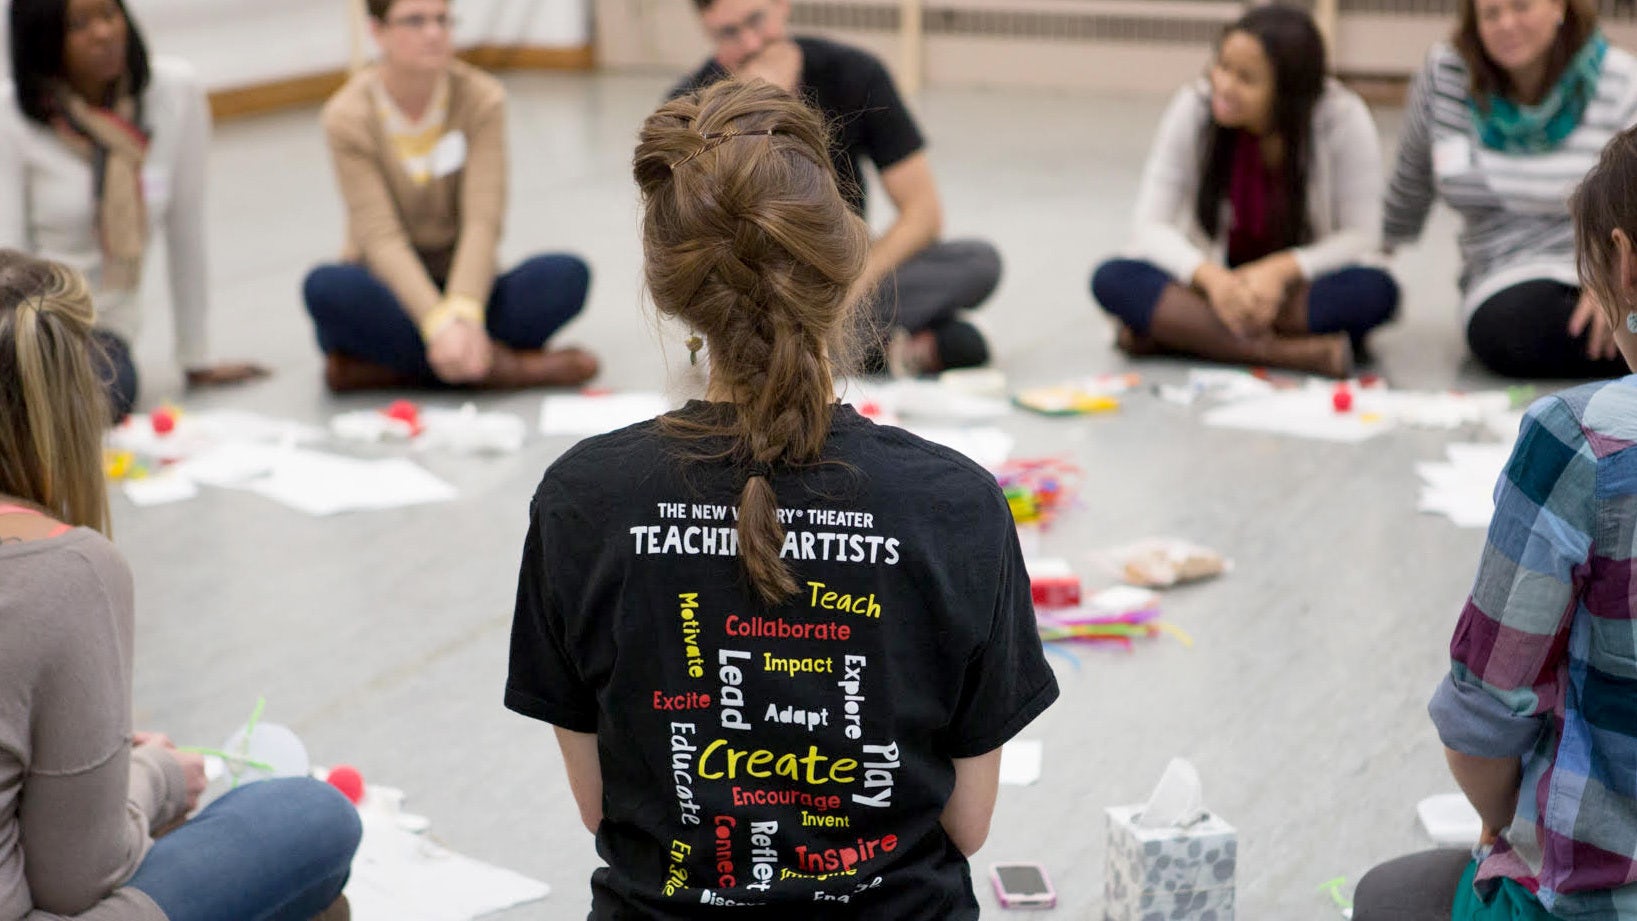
(1539, 711)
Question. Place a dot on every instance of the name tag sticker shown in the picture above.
(156, 186)
(449, 155)
(1452, 156)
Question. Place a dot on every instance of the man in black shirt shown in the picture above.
(920, 283)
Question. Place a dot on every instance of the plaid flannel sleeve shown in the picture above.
(1507, 657)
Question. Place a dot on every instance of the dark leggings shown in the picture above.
(355, 314)
(1353, 300)
(1523, 331)
(118, 372)
(1418, 887)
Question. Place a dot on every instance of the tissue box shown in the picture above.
(1168, 874)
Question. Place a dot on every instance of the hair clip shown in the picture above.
(717, 138)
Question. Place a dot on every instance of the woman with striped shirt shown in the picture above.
(1501, 125)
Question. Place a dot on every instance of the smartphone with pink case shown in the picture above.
(1022, 885)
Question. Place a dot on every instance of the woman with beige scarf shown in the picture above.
(103, 148)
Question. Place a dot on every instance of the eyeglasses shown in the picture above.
(732, 31)
(415, 22)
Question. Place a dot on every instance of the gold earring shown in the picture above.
(694, 343)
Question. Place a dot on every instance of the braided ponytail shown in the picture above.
(748, 240)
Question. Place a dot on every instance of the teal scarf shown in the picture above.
(1510, 128)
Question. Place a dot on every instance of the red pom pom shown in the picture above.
(407, 412)
(345, 777)
(163, 420)
(404, 411)
(1342, 399)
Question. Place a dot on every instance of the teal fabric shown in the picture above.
(1510, 128)
(1507, 902)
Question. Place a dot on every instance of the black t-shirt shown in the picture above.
(798, 757)
(858, 99)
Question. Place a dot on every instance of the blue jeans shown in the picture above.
(355, 314)
(274, 850)
(1353, 300)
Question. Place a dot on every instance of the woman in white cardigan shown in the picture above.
(1259, 200)
(98, 152)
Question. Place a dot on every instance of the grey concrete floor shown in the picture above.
(381, 637)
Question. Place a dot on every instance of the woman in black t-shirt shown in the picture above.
(781, 645)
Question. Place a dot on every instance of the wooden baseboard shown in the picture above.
(1379, 90)
(311, 89)
(275, 95)
(529, 57)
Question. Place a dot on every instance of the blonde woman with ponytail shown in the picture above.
(781, 645)
(81, 795)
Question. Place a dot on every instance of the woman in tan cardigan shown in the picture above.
(419, 141)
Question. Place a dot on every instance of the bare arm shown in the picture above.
(585, 776)
(914, 193)
(1491, 784)
(972, 804)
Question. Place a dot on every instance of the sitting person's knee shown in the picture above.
(329, 822)
(321, 289)
(981, 264)
(1496, 345)
(1127, 289)
(1378, 295)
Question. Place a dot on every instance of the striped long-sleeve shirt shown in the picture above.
(1513, 207)
(1544, 657)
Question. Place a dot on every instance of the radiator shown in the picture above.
(1110, 45)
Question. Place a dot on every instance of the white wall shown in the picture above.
(238, 42)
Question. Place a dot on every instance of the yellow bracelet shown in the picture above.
(452, 308)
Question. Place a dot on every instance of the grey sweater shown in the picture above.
(1515, 223)
(76, 801)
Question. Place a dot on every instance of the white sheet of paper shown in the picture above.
(578, 414)
(985, 444)
(198, 432)
(231, 465)
(325, 484)
(1303, 413)
(400, 876)
(1463, 487)
(163, 489)
(1020, 761)
(928, 400)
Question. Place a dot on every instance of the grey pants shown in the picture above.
(937, 283)
(1418, 887)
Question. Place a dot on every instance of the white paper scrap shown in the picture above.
(401, 876)
(985, 444)
(1463, 487)
(1020, 761)
(1449, 819)
(581, 414)
(1307, 412)
(231, 465)
(928, 400)
(160, 490)
(324, 484)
